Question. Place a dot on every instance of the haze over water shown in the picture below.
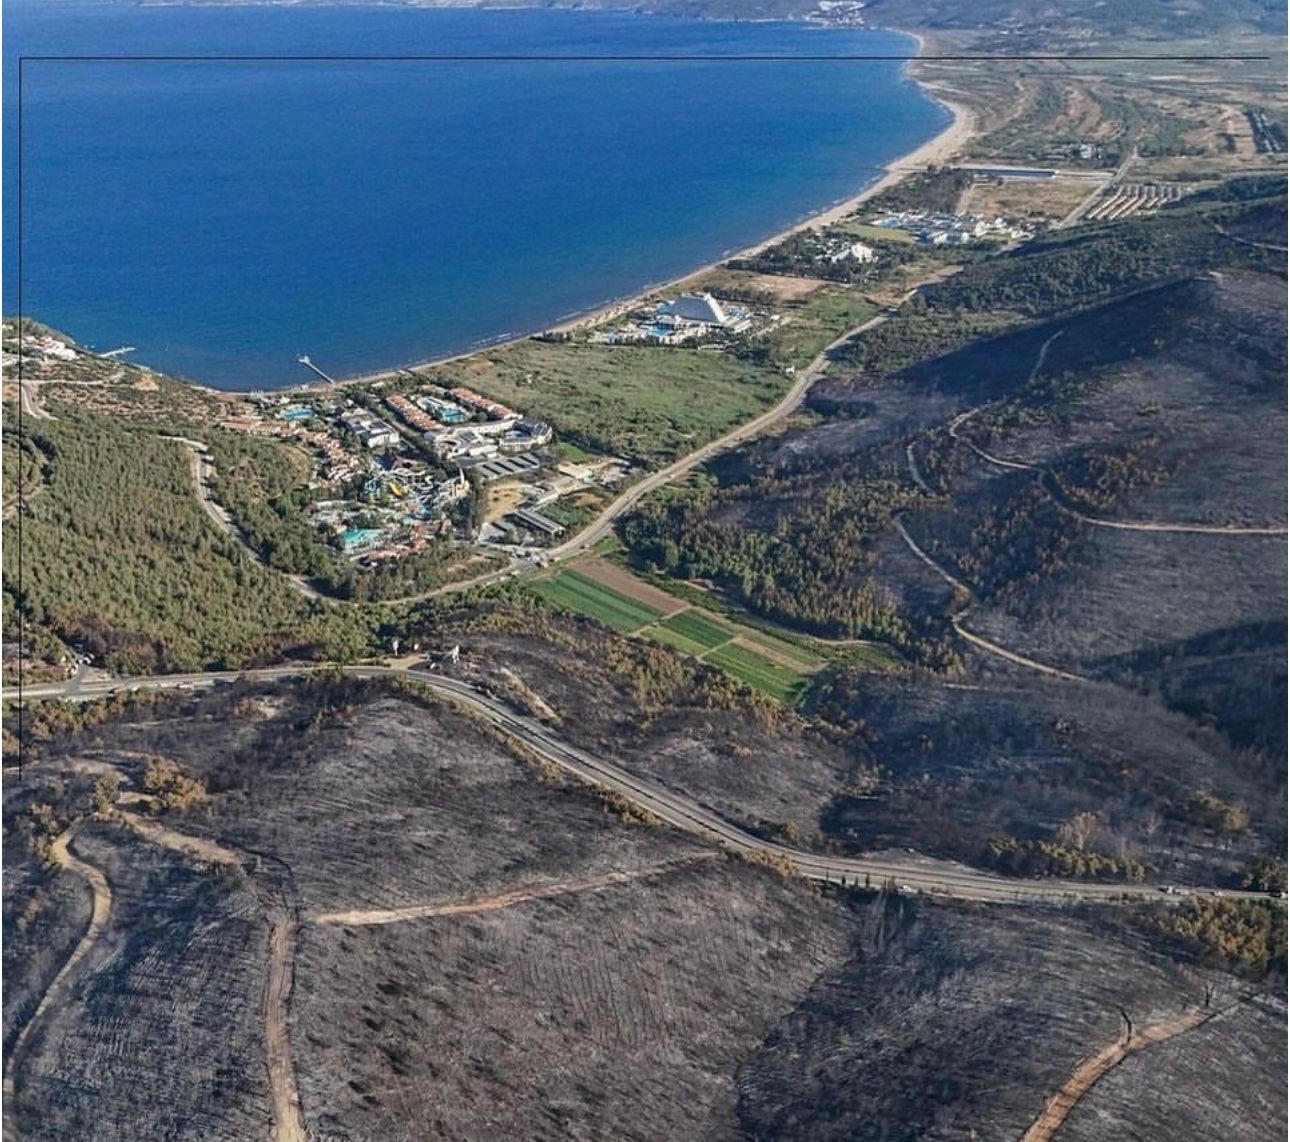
(224, 217)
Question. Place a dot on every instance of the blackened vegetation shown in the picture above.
(763, 1007)
(678, 720)
(1031, 778)
(926, 1033)
(1163, 405)
(166, 1026)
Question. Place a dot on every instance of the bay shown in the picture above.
(225, 216)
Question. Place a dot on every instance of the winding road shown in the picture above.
(1047, 481)
(956, 619)
(909, 873)
(601, 526)
(203, 470)
(790, 403)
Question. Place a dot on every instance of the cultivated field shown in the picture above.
(758, 671)
(708, 633)
(579, 593)
(613, 596)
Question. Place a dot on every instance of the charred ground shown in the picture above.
(687, 997)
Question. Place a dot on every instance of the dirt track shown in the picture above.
(199, 463)
(288, 1125)
(956, 620)
(57, 992)
(1086, 1075)
(503, 899)
(1045, 479)
(197, 848)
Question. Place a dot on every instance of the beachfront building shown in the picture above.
(46, 346)
(525, 435)
(682, 319)
(705, 311)
(486, 405)
(461, 444)
(936, 228)
(855, 252)
(411, 413)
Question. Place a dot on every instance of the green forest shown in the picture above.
(117, 557)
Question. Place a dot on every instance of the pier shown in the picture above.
(308, 364)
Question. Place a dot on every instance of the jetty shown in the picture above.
(308, 364)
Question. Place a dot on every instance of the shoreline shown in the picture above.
(937, 150)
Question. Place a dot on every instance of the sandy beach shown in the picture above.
(935, 152)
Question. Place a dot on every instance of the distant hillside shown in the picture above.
(1027, 23)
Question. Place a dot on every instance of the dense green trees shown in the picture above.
(805, 561)
(1249, 933)
(262, 484)
(118, 556)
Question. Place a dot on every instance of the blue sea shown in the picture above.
(224, 217)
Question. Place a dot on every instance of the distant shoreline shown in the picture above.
(936, 150)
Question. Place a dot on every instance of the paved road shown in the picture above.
(603, 523)
(910, 872)
(791, 402)
(1086, 204)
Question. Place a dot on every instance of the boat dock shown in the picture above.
(308, 364)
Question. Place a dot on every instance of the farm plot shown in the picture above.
(677, 641)
(577, 592)
(780, 649)
(616, 578)
(770, 664)
(761, 673)
(700, 628)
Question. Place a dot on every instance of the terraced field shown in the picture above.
(773, 665)
(579, 593)
(779, 681)
(700, 628)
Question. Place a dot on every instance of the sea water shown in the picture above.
(225, 216)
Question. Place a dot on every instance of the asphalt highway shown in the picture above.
(909, 872)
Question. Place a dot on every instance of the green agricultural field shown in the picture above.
(700, 628)
(649, 403)
(668, 637)
(770, 677)
(578, 593)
